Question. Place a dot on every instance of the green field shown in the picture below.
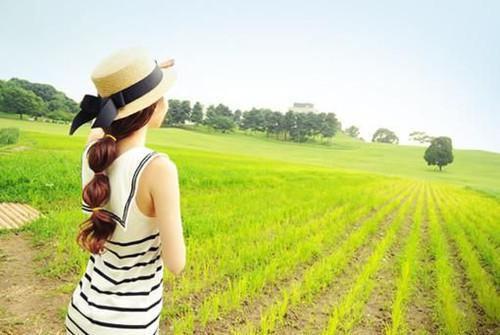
(285, 238)
(479, 170)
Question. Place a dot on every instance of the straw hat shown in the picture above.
(127, 81)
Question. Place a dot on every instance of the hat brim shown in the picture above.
(169, 78)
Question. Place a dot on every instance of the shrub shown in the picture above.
(9, 136)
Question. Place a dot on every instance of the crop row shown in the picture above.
(320, 274)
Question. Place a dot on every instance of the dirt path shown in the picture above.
(29, 303)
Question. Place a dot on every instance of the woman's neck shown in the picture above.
(137, 139)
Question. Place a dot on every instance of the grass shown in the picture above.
(480, 280)
(270, 226)
(475, 169)
(352, 304)
(452, 317)
(320, 274)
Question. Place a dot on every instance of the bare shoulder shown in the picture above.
(162, 163)
(161, 170)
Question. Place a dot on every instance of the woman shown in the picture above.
(132, 194)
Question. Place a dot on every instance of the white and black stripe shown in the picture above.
(142, 253)
(113, 325)
(129, 243)
(129, 267)
(75, 324)
(121, 293)
(127, 280)
(121, 309)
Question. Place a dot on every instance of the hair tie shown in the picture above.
(95, 209)
(100, 172)
(111, 136)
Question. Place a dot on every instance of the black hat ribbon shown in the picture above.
(104, 110)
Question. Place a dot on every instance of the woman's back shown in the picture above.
(121, 290)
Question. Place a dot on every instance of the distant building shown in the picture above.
(303, 107)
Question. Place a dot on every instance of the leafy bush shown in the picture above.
(9, 136)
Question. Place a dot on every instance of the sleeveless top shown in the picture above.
(121, 291)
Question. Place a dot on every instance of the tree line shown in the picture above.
(22, 97)
(289, 126)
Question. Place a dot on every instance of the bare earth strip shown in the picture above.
(377, 312)
(29, 303)
(420, 306)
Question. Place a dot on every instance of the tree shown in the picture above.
(384, 135)
(328, 125)
(222, 123)
(420, 136)
(173, 112)
(44, 91)
(327, 131)
(220, 117)
(178, 112)
(289, 123)
(273, 123)
(17, 100)
(332, 122)
(352, 131)
(38, 100)
(252, 120)
(54, 99)
(237, 116)
(440, 152)
(197, 113)
(223, 110)
(300, 129)
(186, 110)
(2, 86)
(313, 123)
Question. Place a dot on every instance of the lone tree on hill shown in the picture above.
(440, 152)
(352, 131)
(384, 135)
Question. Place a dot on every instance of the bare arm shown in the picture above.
(166, 199)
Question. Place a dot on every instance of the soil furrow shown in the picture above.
(250, 313)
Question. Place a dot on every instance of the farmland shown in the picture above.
(282, 238)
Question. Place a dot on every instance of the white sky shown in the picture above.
(421, 66)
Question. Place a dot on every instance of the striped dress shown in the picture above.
(121, 291)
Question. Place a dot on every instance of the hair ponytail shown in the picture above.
(100, 225)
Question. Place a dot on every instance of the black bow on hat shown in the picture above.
(104, 110)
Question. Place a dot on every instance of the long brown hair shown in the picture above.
(100, 226)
